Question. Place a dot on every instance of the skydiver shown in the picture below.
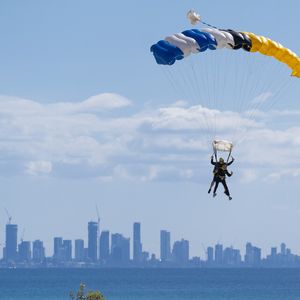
(220, 171)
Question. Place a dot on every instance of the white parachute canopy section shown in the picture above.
(193, 17)
(222, 145)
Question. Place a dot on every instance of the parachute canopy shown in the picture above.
(180, 45)
(222, 145)
(193, 17)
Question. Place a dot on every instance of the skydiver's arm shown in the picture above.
(232, 160)
(228, 174)
(212, 161)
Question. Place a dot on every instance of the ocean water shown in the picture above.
(153, 284)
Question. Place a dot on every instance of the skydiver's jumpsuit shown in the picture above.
(220, 172)
(220, 177)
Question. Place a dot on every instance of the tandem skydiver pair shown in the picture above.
(220, 172)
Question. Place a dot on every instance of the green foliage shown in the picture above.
(95, 296)
(91, 295)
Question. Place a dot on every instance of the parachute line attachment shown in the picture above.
(222, 146)
(194, 18)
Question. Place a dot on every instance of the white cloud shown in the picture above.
(198, 117)
(167, 143)
(288, 113)
(101, 102)
(248, 176)
(180, 103)
(283, 174)
(39, 167)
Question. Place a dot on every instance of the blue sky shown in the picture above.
(88, 117)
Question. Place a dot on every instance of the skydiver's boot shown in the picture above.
(211, 186)
(215, 194)
(229, 197)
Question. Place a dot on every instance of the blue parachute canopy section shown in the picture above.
(203, 39)
(165, 53)
(177, 46)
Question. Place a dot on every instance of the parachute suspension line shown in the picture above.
(204, 94)
(201, 99)
(273, 87)
(268, 104)
(214, 94)
(209, 68)
(231, 89)
(285, 85)
(213, 71)
(243, 86)
(210, 78)
(197, 96)
(224, 75)
(178, 77)
(197, 85)
(194, 18)
(229, 154)
(209, 25)
(281, 89)
(179, 83)
(182, 78)
(256, 83)
(212, 85)
(216, 154)
(237, 88)
(171, 80)
(257, 88)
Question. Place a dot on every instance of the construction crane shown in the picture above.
(8, 215)
(98, 216)
(98, 231)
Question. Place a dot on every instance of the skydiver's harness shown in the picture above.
(223, 166)
(216, 171)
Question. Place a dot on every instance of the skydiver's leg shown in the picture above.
(216, 187)
(211, 185)
(226, 190)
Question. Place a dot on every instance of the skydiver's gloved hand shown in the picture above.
(232, 158)
(231, 173)
(212, 157)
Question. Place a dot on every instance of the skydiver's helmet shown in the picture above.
(221, 160)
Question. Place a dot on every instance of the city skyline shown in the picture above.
(195, 251)
(105, 249)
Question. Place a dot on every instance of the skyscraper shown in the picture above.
(58, 243)
(219, 254)
(180, 253)
(283, 249)
(67, 246)
(253, 255)
(24, 251)
(165, 245)
(11, 242)
(137, 245)
(38, 251)
(104, 246)
(79, 250)
(210, 255)
(273, 252)
(120, 248)
(231, 256)
(92, 240)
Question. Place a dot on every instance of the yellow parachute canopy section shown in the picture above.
(269, 47)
